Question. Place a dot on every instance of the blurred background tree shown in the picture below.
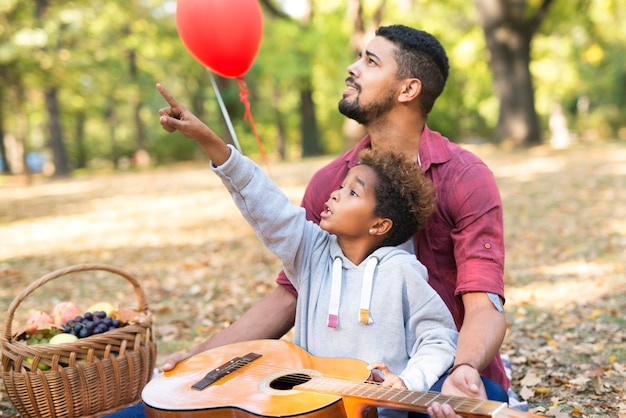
(77, 77)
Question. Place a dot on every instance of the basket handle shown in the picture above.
(141, 296)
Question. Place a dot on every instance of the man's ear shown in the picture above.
(411, 88)
(381, 227)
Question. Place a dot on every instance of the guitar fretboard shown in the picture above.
(401, 398)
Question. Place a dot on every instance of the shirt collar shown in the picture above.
(433, 149)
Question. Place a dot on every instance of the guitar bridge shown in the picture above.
(225, 369)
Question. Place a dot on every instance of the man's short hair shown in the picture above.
(419, 55)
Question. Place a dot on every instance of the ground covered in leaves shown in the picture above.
(176, 230)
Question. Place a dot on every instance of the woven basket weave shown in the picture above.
(93, 376)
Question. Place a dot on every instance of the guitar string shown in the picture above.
(296, 377)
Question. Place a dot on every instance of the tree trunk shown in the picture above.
(4, 162)
(281, 139)
(61, 165)
(81, 150)
(311, 144)
(140, 130)
(198, 99)
(112, 121)
(517, 121)
(508, 36)
(22, 126)
(55, 131)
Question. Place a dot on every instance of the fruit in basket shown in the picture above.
(35, 319)
(41, 336)
(63, 338)
(64, 311)
(104, 307)
(91, 323)
(41, 366)
(48, 337)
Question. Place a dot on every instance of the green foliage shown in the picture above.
(579, 62)
(168, 148)
(105, 57)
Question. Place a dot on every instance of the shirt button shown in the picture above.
(487, 246)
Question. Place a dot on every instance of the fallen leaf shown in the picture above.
(526, 393)
(579, 381)
(555, 412)
(531, 379)
(543, 390)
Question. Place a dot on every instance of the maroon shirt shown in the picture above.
(462, 245)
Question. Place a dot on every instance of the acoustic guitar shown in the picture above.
(275, 378)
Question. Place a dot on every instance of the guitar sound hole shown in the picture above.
(288, 381)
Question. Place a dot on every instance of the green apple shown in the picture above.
(63, 338)
(41, 366)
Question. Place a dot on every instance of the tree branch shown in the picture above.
(275, 11)
(539, 17)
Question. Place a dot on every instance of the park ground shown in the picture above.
(176, 230)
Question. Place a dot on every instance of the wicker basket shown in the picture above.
(93, 376)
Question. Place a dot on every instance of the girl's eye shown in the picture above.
(353, 193)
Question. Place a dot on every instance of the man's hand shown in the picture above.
(174, 359)
(465, 382)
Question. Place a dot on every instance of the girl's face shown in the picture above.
(349, 212)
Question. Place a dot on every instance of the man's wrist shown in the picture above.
(456, 366)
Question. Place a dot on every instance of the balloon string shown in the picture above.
(243, 98)
(229, 123)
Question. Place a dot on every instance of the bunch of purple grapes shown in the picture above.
(91, 323)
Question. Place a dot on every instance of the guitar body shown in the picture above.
(275, 378)
(260, 389)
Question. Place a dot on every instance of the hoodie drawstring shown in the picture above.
(335, 294)
(366, 292)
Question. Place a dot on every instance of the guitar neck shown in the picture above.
(376, 394)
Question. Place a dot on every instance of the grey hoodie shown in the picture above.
(385, 312)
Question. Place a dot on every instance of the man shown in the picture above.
(391, 89)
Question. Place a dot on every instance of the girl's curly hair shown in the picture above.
(403, 193)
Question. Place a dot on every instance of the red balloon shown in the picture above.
(224, 35)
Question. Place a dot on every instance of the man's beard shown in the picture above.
(368, 113)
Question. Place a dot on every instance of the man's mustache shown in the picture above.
(350, 81)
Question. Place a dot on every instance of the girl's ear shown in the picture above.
(411, 88)
(381, 227)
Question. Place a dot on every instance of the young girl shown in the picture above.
(359, 295)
